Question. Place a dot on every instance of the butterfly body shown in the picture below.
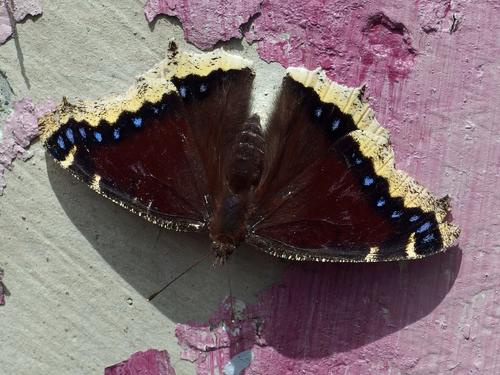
(229, 222)
(181, 149)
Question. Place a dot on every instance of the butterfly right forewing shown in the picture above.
(330, 191)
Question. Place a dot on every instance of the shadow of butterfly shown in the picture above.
(181, 149)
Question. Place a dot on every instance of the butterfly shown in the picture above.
(181, 149)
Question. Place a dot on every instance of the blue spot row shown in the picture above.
(408, 220)
(97, 135)
(77, 133)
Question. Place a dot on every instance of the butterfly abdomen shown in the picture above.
(244, 166)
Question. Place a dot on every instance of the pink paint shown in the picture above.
(387, 49)
(5, 25)
(150, 362)
(356, 42)
(436, 91)
(322, 316)
(20, 129)
(206, 22)
(21, 9)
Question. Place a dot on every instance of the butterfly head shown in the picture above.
(222, 251)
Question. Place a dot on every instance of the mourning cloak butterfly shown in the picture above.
(181, 149)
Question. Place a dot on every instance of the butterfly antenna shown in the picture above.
(178, 277)
(228, 272)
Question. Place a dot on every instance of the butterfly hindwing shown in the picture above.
(153, 150)
(330, 191)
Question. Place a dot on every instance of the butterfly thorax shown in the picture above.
(243, 169)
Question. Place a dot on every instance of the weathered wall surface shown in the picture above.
(78, 268)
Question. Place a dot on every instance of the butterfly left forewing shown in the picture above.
(153, 149)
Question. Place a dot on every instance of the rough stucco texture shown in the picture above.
(21, 9)
(432, 75)
(150, 362)
(206, 22)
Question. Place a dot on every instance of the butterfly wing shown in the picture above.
(330, 191)
(155, 149)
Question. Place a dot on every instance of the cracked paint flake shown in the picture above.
(21, 9)
(19, 130)
(439, 16)
(24, 8)
(223, 345)
(150, 362)
(206, 22)
(5, 25)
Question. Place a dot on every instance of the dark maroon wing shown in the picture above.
(156, 149)
(329, 190)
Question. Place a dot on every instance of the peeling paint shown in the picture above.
(439, 16)
(19, 130)
(214, 346)
(24, 8)
(150, 362)
(206, 22)
(21, 9)
(5, 25)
